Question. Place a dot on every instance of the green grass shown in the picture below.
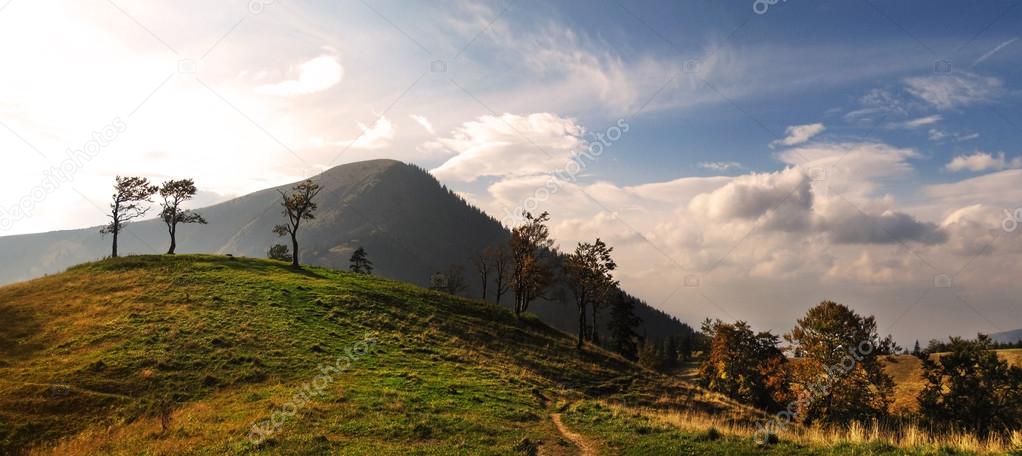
(221, 343)
(97, 359)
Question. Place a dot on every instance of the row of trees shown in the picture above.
(132, 199)
(835, 374)
(528, 266)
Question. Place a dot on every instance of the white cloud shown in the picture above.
(315, 75)
(424, 122)
(916, 123)
(953, 90)
(982, 161)
(510, 145)
(798, 134)
(720, 166)
(379, 136)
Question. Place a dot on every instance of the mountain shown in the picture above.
(204, 354)
(1007, 337)
(410, 224)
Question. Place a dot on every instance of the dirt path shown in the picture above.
(587, 447)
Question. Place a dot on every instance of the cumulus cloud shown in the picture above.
(509, 145)
(798, 134)
(982, 161)
(782, 200)
(891, 227)
(313, 76)
(949, 91)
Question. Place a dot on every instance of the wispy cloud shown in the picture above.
(949, 91)
(916, 123)
(424, 122)
(720, 166)
(798, 134)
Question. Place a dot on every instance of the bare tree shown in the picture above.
(589, 270)
(484, 268)
(129, 202)
(174, 193)
(298, 206)
(456, 282)
(530, 271)
(500, 265)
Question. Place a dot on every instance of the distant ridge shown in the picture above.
(410, 224)
(1007, 337)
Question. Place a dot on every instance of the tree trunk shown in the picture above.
(581, 325)
(113, 253)
(484, 287)
(173, 240)
(595, 331)
(294, 247)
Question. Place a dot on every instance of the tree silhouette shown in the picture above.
(971, 388)
(129, 202)
(359, 262)
(530, 271)
(484, 268)
(589, 276)
(500, 263)
(174, 193)
(623, 322)
(298, 206)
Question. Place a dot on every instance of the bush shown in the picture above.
(279, 252)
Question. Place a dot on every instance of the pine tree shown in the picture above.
(360, 263)
(623, 322)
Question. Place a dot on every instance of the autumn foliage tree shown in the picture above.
(130, 201)
(745, 365)
(531, 273)
(174, 193)
(589, 272)
(839, 377)
(299, 205)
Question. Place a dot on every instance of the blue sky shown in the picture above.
(861, 151)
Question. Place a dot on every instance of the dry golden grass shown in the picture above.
(909, 438)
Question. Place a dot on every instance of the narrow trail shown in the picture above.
(587, 447)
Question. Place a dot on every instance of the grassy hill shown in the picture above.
(185, 354)
(99, 358)
(411, 225)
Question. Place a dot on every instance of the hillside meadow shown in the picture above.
(203, 354)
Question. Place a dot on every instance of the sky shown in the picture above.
(746, 159)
